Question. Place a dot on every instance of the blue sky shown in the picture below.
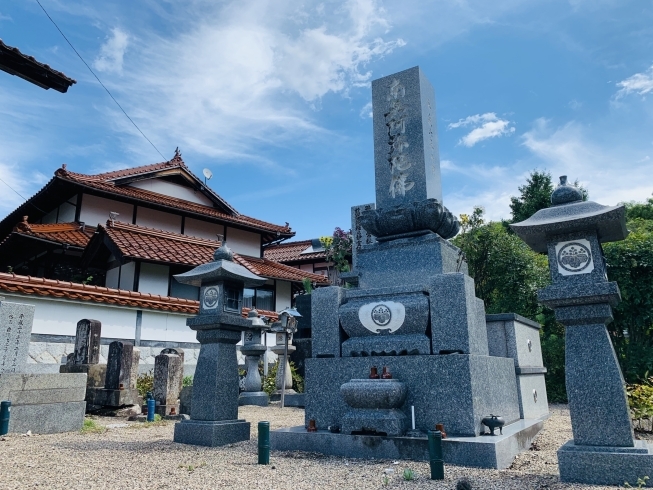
(273, 96)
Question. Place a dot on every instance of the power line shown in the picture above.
(99, 81)
(20, 195)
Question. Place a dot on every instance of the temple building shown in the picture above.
(107, 246)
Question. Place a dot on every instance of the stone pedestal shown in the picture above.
(120, 381)
(253, 395)
(283, 378)
(214, 409)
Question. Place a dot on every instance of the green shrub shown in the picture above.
(187, 381)
(145, 383)
(640, 400)
(269, 385)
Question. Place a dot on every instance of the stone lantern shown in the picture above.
(253, 349)
(219, 325)
(285, 328)
(603, 450)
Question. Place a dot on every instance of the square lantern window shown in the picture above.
(233, 299)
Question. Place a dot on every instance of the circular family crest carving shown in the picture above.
(381, 315)
(210, 297)
(574, 257)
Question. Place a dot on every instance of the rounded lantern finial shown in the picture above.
(223, 253)
(565, 193)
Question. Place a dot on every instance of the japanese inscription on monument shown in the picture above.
(15, 331)
(406, 161)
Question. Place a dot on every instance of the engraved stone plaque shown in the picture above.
(382, 317)
(574, 257)
(210, 299)
(15, 332)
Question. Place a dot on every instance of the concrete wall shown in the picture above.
(95, 210)
(127, 272)
(244, 242)
(174, 190)
(283, 295)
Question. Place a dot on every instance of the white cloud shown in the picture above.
(366, 111)
(247, 73)
(112, 52)
(639, 83)
(488, 126)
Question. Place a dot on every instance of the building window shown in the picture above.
(259, 298)
(232, 299)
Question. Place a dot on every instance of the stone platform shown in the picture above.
(605, 465)
(211, 433)
(483, 451)
(44, 403)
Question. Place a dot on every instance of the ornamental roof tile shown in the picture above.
(83, 292)
(149, 244)
(73, 234)
(292, 252)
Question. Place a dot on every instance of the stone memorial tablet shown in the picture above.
(15, 331)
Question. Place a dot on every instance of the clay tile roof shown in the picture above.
(65, 233)
(292, 252)
(149, 244)
(27, 67)
(105, 183)
(272, 315)
(82, 292)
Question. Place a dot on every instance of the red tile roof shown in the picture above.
(66, 233)
(83, 292)
(105, 183)
(292, 252)
(149, 244)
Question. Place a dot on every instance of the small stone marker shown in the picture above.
(87, 342)
(15, 332)
(122, 366)
(168, 377)
(406, 157)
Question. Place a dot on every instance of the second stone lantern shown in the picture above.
(253, 349)
(214, 407)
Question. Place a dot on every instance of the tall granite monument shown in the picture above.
(214, 407)
(603, 450)
(410, 308)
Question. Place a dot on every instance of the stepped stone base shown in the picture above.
(258, 398)
(44, 403)
(482, 451)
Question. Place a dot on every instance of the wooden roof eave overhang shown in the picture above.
(19, 247)
(268, 235)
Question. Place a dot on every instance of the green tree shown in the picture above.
(534, 195)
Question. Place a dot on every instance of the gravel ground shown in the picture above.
(143, 456)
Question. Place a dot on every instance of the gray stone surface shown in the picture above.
(185, 399)
(406, 261)
(360, 236)
(383, 422)
(15, 330)
(87, 342)
(595, 388)
(325, 324)
(44, 403)
(482, 451)
(457, 324)
(374, 393)
(168, 376)
(47, 418)
(533, 401)
(457, 390)
(511, 335)
(122, 366)
(101, 397)
(406, 158)
(259, 398)
(390, 345)
(603, 465)
(211, 433)
(295, 400)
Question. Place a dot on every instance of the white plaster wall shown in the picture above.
(51, 217)
(127, 272)
(95, 210)
(67, 212)
(154, 279)
(244, 242)
(202, 229)
(112, 278)
(162, 326)
(158, 219)
(283, 295)
(174, 190)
